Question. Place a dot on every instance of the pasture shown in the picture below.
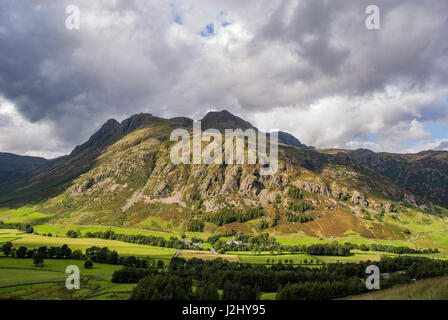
(20, 279)
(302, 259)
(207, 255)
(122, 248)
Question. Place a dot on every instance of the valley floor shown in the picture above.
(20, 279)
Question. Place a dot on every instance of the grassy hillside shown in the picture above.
(14, 168)
(428, 289)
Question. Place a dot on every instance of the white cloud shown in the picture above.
(309, 67)
(346, 122)
(18, 134)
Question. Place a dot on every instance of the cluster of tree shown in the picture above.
(320, 290)
(38, 255)
(24, 227)
(263, 242)
(393, 209)
(229, 215)
(297, 205)
(196, 198)
(263, 225)
(330, 281)
(88, 264)
(167, 286)
(207, 291)
(195, 225)
(92, 254)
(105, 255)
(244, 242)
(132, 274)
(301, 206)
(73, 234)
(62, 252)
(159, 285)
(163, 286)
(173, 242)
(6, 248)
(269, 261)
(301, 218)
(333, 249)
(295, 193)
(237, 291)
(245, 281)
(394, 249)
(212, 239)
(276, 219)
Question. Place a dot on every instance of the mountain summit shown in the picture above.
(224, 120)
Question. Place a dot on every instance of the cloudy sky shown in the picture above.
(309, 67)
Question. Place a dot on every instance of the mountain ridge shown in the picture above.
(123, 176)
(84, 156)
(14, 167)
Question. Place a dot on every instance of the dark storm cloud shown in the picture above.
(77, 79)
(264, 57)
(331, 37)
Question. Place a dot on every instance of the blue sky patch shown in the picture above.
(208, 31)
(177, 19)
(176, 16)
(437, 130)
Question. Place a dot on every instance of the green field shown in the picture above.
(23, 214)
(19, 279)
(57, 266)
(111, 296)
(61, 230)
(14, 276)
(268, 296)
(53, 291)
(122, 248)
(262, 259)
(309, 241)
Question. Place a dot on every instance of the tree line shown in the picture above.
(24, 227)
(229, 215)
(173, 242)
(95, 254)
(396, 249)
(245, 281)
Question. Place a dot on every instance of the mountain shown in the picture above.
(225, 120)
(59, 173)
(14, 167)
(123, 176)
(287, 138)
(424, 173)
